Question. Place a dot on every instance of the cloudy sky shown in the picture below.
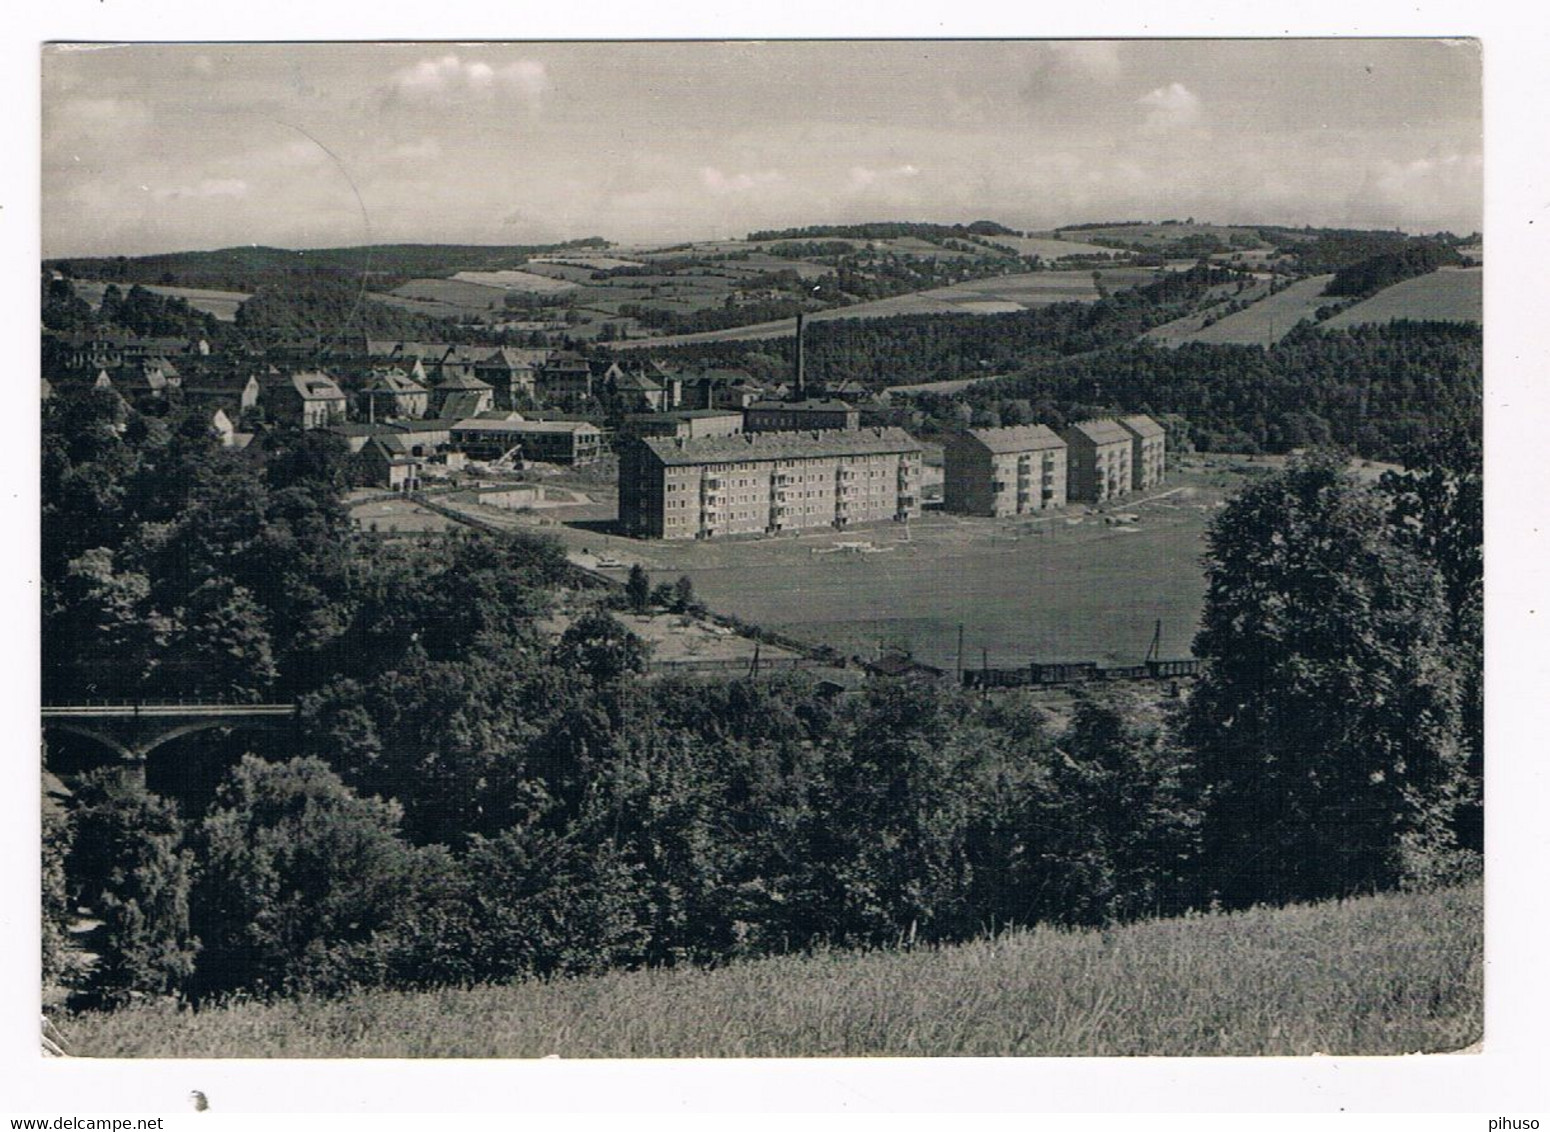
(307, 145)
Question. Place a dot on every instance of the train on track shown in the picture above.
(1038, 675)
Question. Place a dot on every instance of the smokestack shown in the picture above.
(801, 362)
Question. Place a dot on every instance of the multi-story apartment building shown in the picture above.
(1098, 461)
(763, 483)
(1004, 471)
(1148, 451)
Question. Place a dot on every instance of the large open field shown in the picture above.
(996, 295)
(222, 304)
(1069, 587)
(1267, 321)
(1449, 294)
(1390, 974)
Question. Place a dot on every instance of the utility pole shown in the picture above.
(960, 652)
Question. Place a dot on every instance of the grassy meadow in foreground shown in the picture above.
(1390, 974)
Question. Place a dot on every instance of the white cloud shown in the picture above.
(1098, 60)
(452, 76)
(528, 77)
(862, 177)
(210, 187)
(721, 184)
(1171, 107)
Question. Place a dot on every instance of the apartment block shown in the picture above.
(765, 483)
(1004, 471)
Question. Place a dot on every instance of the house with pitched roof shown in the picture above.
(310, 399)
(391, 393)
(461, 395)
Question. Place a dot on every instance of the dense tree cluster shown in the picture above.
(1376, 390)
(1369, 276)
(139, 312)
(470, 799)
(905, 349)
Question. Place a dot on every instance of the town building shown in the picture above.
(1098, 461)
(788, 416)
(690, 424)
(565, 373)
(1148, 451)
(760, 483)
(390, 393)
(634, 390)
(235, 393)
(512, 374)
(553, 442)
(1003, 471)
(310, 399)
(389, 461)
(461, 395)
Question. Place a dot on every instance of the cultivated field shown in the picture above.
(996, 295)
(222, 304)
(1269, 320)
(1390, 974)
(1047, 247)
(1449, 294)
(515, 281)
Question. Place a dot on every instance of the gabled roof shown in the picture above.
(1015, 438)
(1100, 432)
(781, 445)
(394, 381)
(314, 385)
(463, 403)
(462, 382)
(636, 382)
(1143, 426)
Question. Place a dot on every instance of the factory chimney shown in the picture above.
(801, 362)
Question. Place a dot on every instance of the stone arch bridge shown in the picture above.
(132, 730)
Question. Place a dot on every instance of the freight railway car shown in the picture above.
(1063, 673)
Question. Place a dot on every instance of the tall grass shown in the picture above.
(1389, 974)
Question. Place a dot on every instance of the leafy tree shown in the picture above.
(1326, 723)
(599, 646)
(58, 834)
(683, 594)
(298, 879)
(1111, 826)
(130, 866)
(637, 589)
(542, 903)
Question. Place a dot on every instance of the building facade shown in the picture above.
(1148, 451)
(305, 400)
(1004, 471)
(793, 416)
(1098, 461)
(765, 483)
(690, 424)
(553, 442)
